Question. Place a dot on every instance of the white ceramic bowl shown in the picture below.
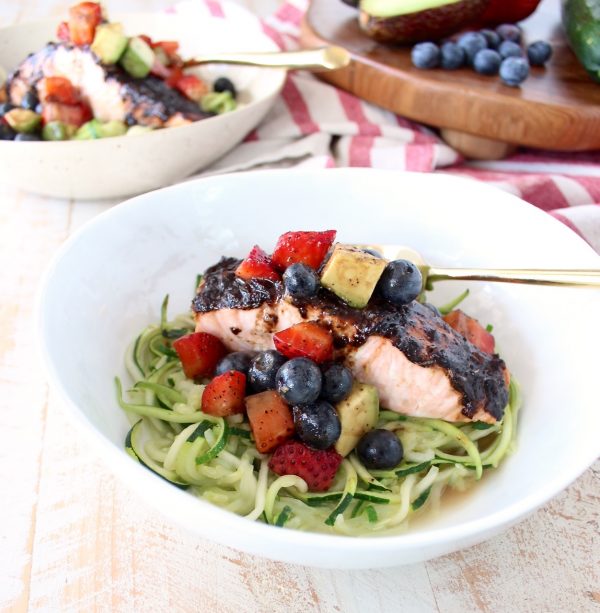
(129, 165)
(108, 280)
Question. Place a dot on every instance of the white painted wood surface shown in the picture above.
(72, 538)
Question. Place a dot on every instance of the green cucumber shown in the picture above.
(581, 20)
(135, 448)
(138, 58)
(315, 499)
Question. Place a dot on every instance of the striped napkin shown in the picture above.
(314, 124)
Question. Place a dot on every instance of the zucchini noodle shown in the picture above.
(215, 458)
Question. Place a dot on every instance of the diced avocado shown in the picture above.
(96, 129)
(57, 130)
(218, 102)
(135, 130)
(109, 42)
(138, 58)
(358, 414)
(352, 274)
(23, 120)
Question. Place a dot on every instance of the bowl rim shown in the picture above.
(305, 540)
(274, 90)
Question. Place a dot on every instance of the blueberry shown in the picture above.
(299, 381)
(401, 282)
(514, 70)
(263, 370)
(223, 84)
(5, 107)
(238, 360)
(27, 137)
(509, 31)
(510, 49)
(425, 55)
(487, 62)
(6, 132)
(317, 424)
(539, 53)
(30, 101)
(380, 449)
(301, 281)
(492, 38)
(453, 56)
(471, 43)
(337, 383)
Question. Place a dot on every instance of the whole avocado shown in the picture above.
(581, 20)
(402, 21)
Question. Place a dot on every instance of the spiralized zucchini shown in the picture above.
(215, 458)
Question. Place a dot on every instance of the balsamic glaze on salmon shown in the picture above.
(414, 329)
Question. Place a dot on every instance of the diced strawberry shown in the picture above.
(83, 19)
(471, 329)
(192, 87)
(257, 265)
(317, 468)
(270, 419)
(305, 340)
(71, 114)
(57, 89)
(146, 39)
(306, 247)
(176, 74)
(170, 47)
(62, 32)
(224, 395)
(199, 353)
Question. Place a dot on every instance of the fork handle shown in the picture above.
(532, 276)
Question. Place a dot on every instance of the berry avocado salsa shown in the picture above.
(97, 82)
(316, 388)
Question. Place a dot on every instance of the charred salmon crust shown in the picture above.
(417, 332)
(109, 90)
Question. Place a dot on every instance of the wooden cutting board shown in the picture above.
(557, 108)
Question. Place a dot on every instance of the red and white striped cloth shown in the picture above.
(316, 125)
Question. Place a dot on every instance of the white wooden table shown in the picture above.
(72, 538)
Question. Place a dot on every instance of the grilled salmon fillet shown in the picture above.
(109, 90)
(418, 363)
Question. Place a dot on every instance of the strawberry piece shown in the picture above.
(176, 74)
(317, 468)
(62, 32)
(146, 39)
(471, 329)
(199, 353)
(170, 47)
(270, 419)
(224, 395)
(83, 19)
(305, 340)
(57, 89)
(192, 87)
(71, 114)
(308, 248)
(257, 265)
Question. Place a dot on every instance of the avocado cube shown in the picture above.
(57, 130)
(109, 42)
(23, 121)
(351, 274)
(89, 130)
(138, 58)
(358, 414)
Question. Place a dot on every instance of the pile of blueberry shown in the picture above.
(488, 52)
(312, 391)
(31, 102)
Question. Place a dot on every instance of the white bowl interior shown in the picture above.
(134, 165)
(109, 280)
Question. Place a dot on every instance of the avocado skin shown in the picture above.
(581, 20)
(431, 24)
